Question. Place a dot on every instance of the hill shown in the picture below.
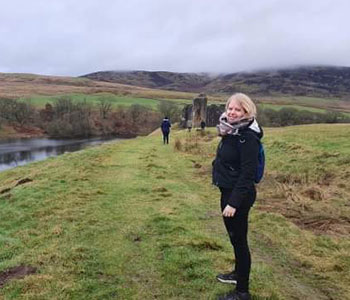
(140, 220)
(316, 81)
(163, 80)
(268, 89)
(20, 85)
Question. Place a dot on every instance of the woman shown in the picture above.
(234, 171)
(165, 126)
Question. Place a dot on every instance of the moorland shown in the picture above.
(140, 220)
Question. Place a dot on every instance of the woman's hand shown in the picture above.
(229, 211)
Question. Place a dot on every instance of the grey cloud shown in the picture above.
(66, 37)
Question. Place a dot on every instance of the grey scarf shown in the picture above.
(225, 128)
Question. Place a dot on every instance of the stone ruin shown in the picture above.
(199, 111)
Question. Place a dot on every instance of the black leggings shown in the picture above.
(237, 228)
(166, 137)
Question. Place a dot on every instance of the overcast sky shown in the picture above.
(76, 37)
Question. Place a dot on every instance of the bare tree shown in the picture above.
(15, 111)
(170, 110)
(70, 119)
(105, 107)
(62, 106)
(7, 107)
(23, 113)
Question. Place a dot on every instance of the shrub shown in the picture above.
(70, 119)
(16, 112)
(178, 144)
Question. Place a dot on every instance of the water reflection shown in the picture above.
(19, 152)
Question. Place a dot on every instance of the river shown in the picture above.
(18, 152)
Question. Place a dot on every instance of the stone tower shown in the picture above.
(199, 110)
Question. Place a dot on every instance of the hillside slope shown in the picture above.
(15, 86)
(139, 220)
(315, 81)
(163, 80)
(303, 81)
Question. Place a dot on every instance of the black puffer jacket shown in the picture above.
(235, 166)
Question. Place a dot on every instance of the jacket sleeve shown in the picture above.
(244, 188)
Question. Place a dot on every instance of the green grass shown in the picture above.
(306, 103)
(310, 100)
(139, 220)
(300, 103)
(309, 148)
(315, 100)
(94, 99)
(40, 101)
(298, 107)
(303, 100)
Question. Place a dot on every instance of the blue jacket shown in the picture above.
(165, 126)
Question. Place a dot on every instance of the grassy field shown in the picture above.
(118, 100)
(298, 107)
(115, 100)
(16, 86)
(308, 103)
(305, 195)
(139, 220)
(41, 89)
(303, 99)
(40, 101)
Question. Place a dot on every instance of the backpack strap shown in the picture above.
(261, 156)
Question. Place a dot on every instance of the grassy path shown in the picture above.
(121, 221)
(131, 220)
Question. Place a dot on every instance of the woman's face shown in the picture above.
(234, 112)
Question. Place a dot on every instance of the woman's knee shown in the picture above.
(237, 239)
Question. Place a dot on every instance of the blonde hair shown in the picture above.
(246, 103)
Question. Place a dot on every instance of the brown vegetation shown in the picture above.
(68, 119)
(310, 205)
(313, 202)
(16, 86)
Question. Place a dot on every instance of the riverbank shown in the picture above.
(140, 220)
(11, 132)
(19, 152)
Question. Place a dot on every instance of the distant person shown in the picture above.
(234, 170)
(165, 126)
(202, 125)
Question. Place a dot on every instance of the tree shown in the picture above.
(47, 113)
(7, 108)
(23, 113)
(15, 111)
(70, 119)
(62, 106)
(105, 106)
(287, 116)
(170, 110)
